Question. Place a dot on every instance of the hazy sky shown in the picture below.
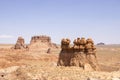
(99, 19)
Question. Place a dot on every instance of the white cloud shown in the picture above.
(6, 36)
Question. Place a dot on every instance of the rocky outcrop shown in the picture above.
(82, 54)
(41, 43)
(41, 38)
(101, 43)
(20, 44)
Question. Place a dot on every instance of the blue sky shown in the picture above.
(99, 19)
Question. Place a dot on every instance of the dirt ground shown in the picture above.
(35, 65)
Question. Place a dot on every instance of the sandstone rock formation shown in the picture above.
(82, 54)
(20, 44)
(41, 43)
(41, 38)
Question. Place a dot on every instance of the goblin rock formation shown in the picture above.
(81, 54)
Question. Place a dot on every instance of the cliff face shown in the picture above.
(82, 54)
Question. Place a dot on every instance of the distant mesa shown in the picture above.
(81, 54)
(101, 43)
(37, 43)
(42, 42)
(41, 38)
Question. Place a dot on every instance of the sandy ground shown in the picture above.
(35, 65)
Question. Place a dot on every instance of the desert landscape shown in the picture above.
(39, 61)
(59, 40)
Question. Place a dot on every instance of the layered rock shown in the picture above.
(82, 54)
(41, 38)
(41, 43)
(20, 44)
